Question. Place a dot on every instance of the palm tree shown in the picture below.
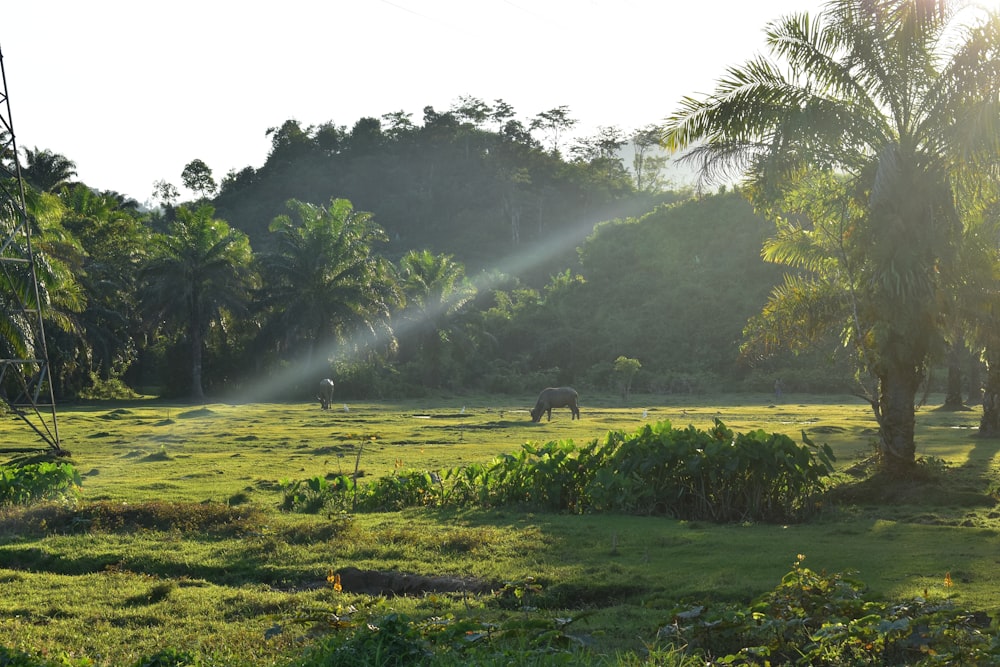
(60, 295)
(324, 284)
(115, 241)
(897, 97)
(47, 171)
(436, 290)
(197, 274)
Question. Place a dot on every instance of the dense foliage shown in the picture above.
(281, 280)
(714, 475)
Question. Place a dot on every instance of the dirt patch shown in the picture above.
(391, 584)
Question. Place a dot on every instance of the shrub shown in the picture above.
(22, 485)
(688, 474)
(715, 475)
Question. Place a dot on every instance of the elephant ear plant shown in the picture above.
(22, 485)
(714, 475)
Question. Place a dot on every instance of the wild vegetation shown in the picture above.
(470, 261)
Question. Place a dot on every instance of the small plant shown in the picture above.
(169, 658)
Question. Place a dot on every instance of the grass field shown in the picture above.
(246, 585)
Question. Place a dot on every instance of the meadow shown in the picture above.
(178, 539)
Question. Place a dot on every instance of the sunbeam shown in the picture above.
(294, 382)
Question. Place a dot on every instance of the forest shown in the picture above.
(460, 254)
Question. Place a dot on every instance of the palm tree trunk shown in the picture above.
(989, 424)
(953, 391)
(974, 389)
(197, 393)
(897, 392)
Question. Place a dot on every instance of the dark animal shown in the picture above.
(556, 397)
(325, 395)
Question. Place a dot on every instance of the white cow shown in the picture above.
(325, 395)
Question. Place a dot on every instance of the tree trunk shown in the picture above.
(897, 391)
(989, 424)
(197, 393)
(953, 392)
(974, 391)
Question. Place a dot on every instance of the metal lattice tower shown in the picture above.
(25, 381)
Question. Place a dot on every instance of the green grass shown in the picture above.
(178, 541)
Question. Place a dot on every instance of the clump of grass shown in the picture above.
(160, 455)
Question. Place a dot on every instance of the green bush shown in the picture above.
(22, 485)
(688, 474)
(713, 475)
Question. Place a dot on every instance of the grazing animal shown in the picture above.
(556, 397)
(325, 395)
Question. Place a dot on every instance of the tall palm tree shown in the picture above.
(47, 171)
(898, 97)
(436, 289)
(197, 274)
(324, 284)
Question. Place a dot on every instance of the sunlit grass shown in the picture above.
(178, 540)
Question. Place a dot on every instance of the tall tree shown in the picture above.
(197, 176)
(197, 274)
(554, 123)
(436, 290)
(325, 284)
(895, 95)
(647, 166)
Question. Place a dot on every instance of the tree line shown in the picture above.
(183, 301)
(867, 146)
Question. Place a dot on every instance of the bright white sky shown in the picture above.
(132, 91)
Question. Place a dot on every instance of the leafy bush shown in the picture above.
(715, 475)
(22, 485)
(113, 388)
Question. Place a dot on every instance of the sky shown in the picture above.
(132, 91)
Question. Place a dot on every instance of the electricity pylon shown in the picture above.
(25, 380)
